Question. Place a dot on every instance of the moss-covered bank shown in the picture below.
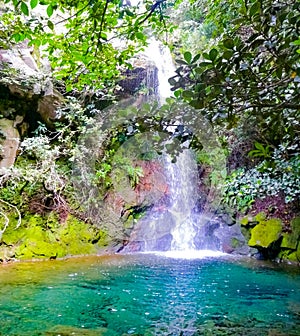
(46, 237)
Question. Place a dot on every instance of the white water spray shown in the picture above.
(183, 181)
(162, 58)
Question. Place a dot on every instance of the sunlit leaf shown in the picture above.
(33, 3)
(24, 8)
(49, 10)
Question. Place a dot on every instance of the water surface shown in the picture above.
(149, 295)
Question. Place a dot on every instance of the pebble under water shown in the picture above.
(147, 295)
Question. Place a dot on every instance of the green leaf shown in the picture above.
(187, 56)
(50, 24)
(33, 3)
(297, 42)
(259, 145)
(16, 37)
(206, 56)
(187, 94)
(196, 58)
(197, 104)
(140, 36)
(177, 93)
(228, 43)
(49, 10)
(227, 54)
(24, 8)
(255, 8)
(181, 62)
(213, 54)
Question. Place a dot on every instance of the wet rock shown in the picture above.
(163, 243)
(143, 75)
(152, 233)
(232, 239)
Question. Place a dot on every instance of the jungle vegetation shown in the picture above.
(237, 64)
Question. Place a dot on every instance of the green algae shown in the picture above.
(45, 237)
(265, 233)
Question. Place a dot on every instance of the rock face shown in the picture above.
(157, 229)
(290, 245)
(9, 142)
(31, 240)
(142, 76)
(25, 89)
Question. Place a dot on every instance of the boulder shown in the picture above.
(265, 233)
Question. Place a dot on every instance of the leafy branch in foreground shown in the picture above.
(87, 42)
(253, 70)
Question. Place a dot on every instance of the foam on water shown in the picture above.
(191, 254)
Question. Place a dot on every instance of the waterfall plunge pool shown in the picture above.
(146, 294)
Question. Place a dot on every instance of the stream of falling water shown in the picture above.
(179, 228)
(183, 181)
(162, 58)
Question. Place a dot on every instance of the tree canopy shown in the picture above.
(87, 42)
(251, 71)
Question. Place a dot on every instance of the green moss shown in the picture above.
(79, 237)
(44, 237)
(244, 221)
(261, 216)
(245, 233)
(293, 256)
(235, 243)
(291, 240)
(265, 233)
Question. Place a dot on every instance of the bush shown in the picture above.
(280, 175)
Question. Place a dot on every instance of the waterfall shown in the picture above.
(183, 181)
(162, 58)
(173, 224)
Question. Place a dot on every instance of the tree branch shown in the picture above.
(153, 8)
(101, 25)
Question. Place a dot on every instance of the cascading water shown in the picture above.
(173, 223)
(183, 180)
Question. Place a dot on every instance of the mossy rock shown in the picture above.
(39, 249)
(290, 255)
(13, 234)
(45, 237)
(79, 237)
(246, 233)
(265, 233)
(291, 240)
(252, 221)
(7, 253)
(244, 221)
(39, 243)
(261, 216)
